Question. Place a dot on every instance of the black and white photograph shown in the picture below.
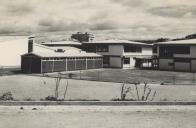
(97, 64)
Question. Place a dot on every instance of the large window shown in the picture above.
(102, 48)
(168, 51)
(154, 49)
(126, 60)
(132, 49)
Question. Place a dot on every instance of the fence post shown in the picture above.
(174, 80)
(98, 75)
(80, 74)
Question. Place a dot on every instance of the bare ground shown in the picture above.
(24, 87)
(98, 117)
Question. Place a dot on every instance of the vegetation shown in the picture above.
(146, 94)
(7, 96)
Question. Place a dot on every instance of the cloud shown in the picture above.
(131, 18)
(173, 11)
(130, 3)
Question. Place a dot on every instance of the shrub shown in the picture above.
(51, 98)
(28, 99)
(6, 96)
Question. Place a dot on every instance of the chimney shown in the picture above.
(30, 44)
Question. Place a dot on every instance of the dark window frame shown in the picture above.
(126, 61)
(102, 48)
(169, 51)
(133, 49)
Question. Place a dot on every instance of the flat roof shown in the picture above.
(116, 41)
(178, 42)
(64, 54)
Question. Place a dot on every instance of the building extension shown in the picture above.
(121, 53)
(56, 58)
(176, 55)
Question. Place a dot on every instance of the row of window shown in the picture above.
(136, 49)
(168, 51)
(104, 48)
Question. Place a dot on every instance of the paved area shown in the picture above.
(98, 117)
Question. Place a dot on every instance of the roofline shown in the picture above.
(174, 44)
(117, 44)
(59, 56)
(50, 44)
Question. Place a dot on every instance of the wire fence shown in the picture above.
(129, 77)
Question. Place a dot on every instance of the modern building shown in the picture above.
(120, 53)
(57, 58)
(176, 55)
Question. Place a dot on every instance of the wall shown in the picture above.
(193, 65)
(193, 51)
(115, 62)
(164, 64)
(182, 66)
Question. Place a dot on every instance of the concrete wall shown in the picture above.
(147, 51)
(193, 65)
(182, 66)
(193, 51)
(116, 49)
(164, 64)
(115, 62)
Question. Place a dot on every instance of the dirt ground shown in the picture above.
(25, 87)
(98, 117)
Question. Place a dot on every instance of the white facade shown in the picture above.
(116, 53)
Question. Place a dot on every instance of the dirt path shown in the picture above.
(98, 117)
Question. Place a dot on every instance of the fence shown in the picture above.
(120, 77)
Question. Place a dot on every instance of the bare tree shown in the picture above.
(58, 79)
(147, 91)
(66, 88)
(124, 91)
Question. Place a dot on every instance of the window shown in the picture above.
(126, 60)
(168, 51)
(132, 49)
(106, 60)
(102, 48)
(154, 49)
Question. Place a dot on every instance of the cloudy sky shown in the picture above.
(130, 18)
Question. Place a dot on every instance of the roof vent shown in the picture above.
(59, 50)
